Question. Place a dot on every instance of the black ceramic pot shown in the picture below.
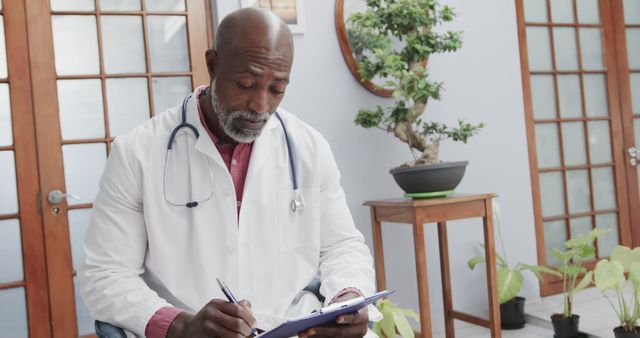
(512, 314)
(619, 332)
(565, 327)
(429, 177)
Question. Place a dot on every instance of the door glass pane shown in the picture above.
(165, 5)
(543, 96)
(75, 5)
(565, 47)
(580, 225)
(10, 251)
(631, 12)
(168, 43)
(573, 143)
(8, 189)
(591, 48)
(120, 5)
(636, 129)
(633, 47)
(539, 48)
(552, 189)
(535, 10)
(128, 102)
(561, 11)
(6, 133)
(83, 166)
(569, 95)
(595, 95)
(555, 234)
(169, 92)
(635, 92)
(85, 321)
(3, 50)
(123, 45)
(547, 145)
(578, 191)
(607, 242)
(78, 224)
(604, 191)
(81, 109)
(599, 141)
(13, 313)
(588, 11)
(75, 44)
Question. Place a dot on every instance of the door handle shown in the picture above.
(634, 155)
(56, 196)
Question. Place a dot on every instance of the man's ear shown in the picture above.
(211, 57)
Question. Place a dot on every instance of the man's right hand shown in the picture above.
(218, 318)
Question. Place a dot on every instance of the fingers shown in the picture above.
(347, 325)
(232, 317)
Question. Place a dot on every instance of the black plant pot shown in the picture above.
(565, 327)
(512, 314)
(425, 178)
(619, 332)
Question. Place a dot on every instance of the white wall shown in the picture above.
(482, 83)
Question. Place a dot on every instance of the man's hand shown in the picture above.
(218, 318)
(347, 325)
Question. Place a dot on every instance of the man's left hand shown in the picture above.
(347, 325)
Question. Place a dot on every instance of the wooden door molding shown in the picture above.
(51, 173)
(22, 117)
(627, 115)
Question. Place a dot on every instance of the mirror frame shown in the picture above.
(347, 54)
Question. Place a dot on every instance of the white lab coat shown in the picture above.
(143, 254)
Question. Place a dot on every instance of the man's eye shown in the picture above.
(244, 85)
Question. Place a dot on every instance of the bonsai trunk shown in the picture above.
(429, 149)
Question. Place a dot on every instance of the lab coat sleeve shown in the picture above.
(115, 247)
(345, 259)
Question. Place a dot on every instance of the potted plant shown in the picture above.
(509, 285)
(394, 320)
(610, 275)
(399, 36)
(578, 250)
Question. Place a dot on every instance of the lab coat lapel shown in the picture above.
(204, 144)
(264, 147)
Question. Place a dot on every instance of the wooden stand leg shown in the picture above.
(376, 229)
(492, 283)
(446, 279)
(423, 283)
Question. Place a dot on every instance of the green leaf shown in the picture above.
(538, 270)
(584, 282)
(475, 261)
(411, 314)
(509, 284)
(622, 254)
(388, 325)
(608, 274)
(404, 328)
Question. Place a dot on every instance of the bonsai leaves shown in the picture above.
(394, 319)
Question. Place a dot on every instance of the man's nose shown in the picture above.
(259, 101)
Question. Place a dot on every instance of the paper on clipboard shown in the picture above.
(325, 315)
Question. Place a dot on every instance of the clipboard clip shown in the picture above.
(336, 306)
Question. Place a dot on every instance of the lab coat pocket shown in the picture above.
(298, 229)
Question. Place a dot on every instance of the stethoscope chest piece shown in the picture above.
(297, 203)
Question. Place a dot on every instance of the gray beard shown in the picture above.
(230, 120)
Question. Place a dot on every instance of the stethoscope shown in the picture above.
(297, 202)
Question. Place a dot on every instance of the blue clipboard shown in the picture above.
(326, 315)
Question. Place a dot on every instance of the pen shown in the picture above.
(232, 299)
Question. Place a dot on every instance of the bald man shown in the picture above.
(152, 262)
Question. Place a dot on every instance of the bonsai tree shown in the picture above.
(394, 320)
(510, 279)
(610, 275)
(385, 25)
(579, 249)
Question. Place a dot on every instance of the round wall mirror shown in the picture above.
(344, 8)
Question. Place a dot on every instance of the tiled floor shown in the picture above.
(597, 317)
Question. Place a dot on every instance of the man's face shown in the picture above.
(247, 90)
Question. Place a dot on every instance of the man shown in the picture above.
(152, 262)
